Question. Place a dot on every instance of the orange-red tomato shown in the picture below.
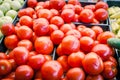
(97, 29)
(96, 77)
(3, 56)
(102, 5)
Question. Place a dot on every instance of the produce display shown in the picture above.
(8, 11)
(45, 44)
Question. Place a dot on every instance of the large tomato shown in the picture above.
(91, 7)
(96, 77)
(78, 9)
(55, 12)
(59, 50)
(97, 29)
(75, 74)
(13, 63)
(101, 4)
(68, 6)
(24, 72)
(43, 45)
(92, 64)
(51, 70)
(52, 28)
(3, 56)
(32, 3)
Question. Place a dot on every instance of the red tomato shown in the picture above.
(101, 4)
(68, 6)
(43, 45)
(86, 44)
(68, 15)
(74, 32)
(80, 27)
(34, 37)
(75, 74)
(76, 18)
(70, 44)
(103, 37)
(103, 50)
(36, 61)
(112, 59)
(32, 53)
(44, 13)
(63, 60)
(5, 67)
(110, 70)
(92, 64)
(59, 50)
(74, 2)
(57, 20)
(8, 29)
(101, 14)
(40, 26)
(52, 28)
(24, 32)
(11, 41)
(37, 8)
(24, 72)
(88, 32)
(41, 3)
(32, 3)
(27, 21)
(96, 42)
(57, 36)
(97, 29)
(95, 21)
(96, 77)
(78, 9)
(55, 12)
(20, 55)
(75, 59)
(48, 57)
(57, 4)
(10, 76)
(11, 55)
(86, 16)
(13, 64)
(91, 7)
(26, 43)
(51, 70)
(3, 56)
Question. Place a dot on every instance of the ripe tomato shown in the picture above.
(70, 44)
(24, 32)
(74, 32)
(57, 4)
(63, 60)
(3, 56)
(68, 15)
(20, 55)
(11, 41)
(8, 29)
(55, 12)
(57, 36)
(97, 29)
(96, 77)
(112, 59)
(101, 4)
(103, 37)
(92, 64)
(80, 27)
(86, 16)
(24, 72)
(10, 76)
(46, 5)
(32, 53)
(86, 44)
(74, 2)
(26, 43)
(91, 7)
(40, 26)
(51, 70)
(41, 3)
(101, 14)
(95, 21)
(75, 74)
(27, 21)
(11, 55)
(5, 67)
(76, 18)
(78, 9)
(68, 6)
(110, 70)
(103, 50)
(48, 57)
(57, 20)
(59, 50)
(88, 32)
(52, 28)
(36, 61)
(32, 3)
(13, 64)
(43, 45)
(44, 13)
(75, 59)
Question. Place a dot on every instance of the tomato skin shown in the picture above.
(112, 59)
(74, 2)
(32, 53)
(43, 45)
(80, 27)
(48, 57)
(32, 3)
(26, 43)
(97, 29)
(55, 12)
(96, 77)
(110, 70)
(46, 5)
(20, 55)
(13, 64)
(24, 72)
(11, 41)
(68, 6)
(51, 70)
(76, 18)
(36, 61)
(75, 59)
(27, 21)
(68, 15)
(75, 74)
(52, 28)
(3, 56)
(91, 7)
(8, 29)
(70, 44)
(86, 16)
(92, 64)
(101, 4)
(63, 60)
(78, 9)
(5, 67)
(101, 14)
(59, 50)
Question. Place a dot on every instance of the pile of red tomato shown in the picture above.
(82, 53)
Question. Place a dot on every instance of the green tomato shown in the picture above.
(16, 5)
(11, 13)
(1, 14)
